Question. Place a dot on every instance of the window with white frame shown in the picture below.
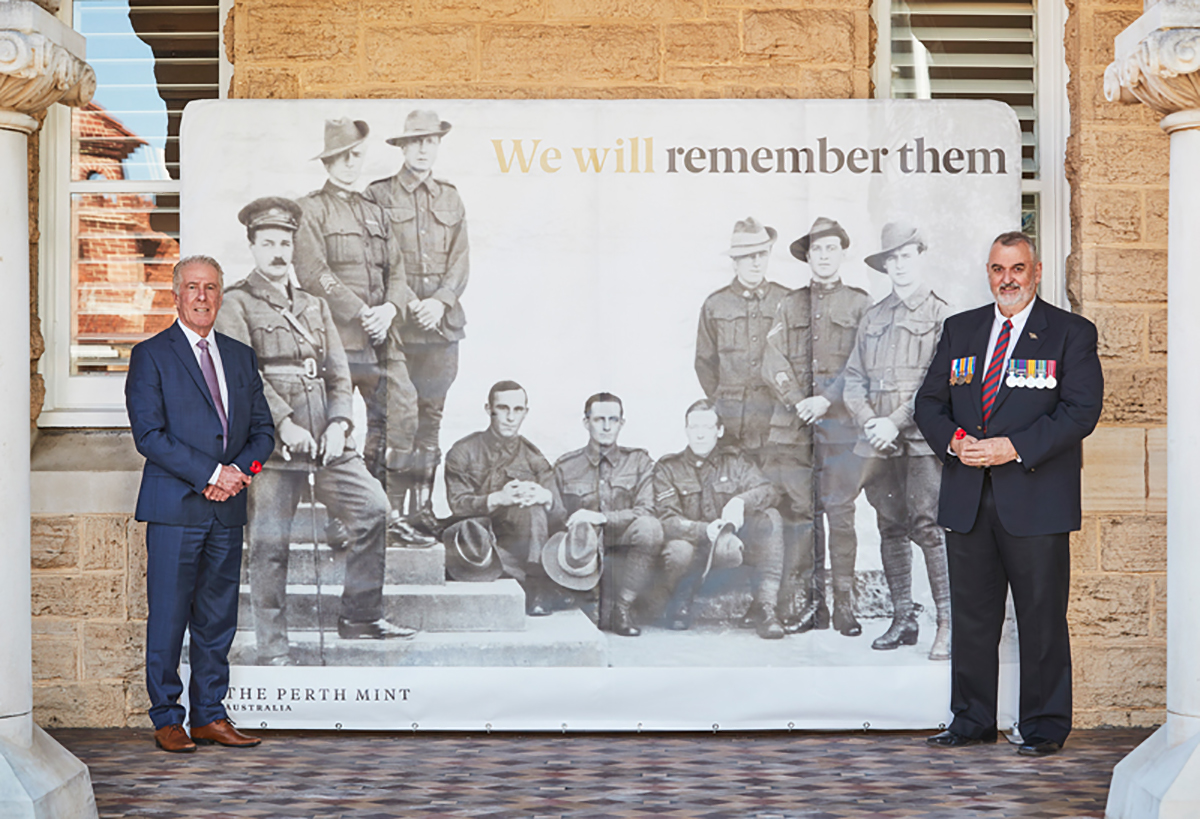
(1000, 50)
(110, 196)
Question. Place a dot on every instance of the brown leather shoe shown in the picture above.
(222, 732)
(174, 739)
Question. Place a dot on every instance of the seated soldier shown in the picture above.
(497, 478)
(701, 493)
(611, 486)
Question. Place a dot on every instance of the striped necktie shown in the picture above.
(991, 381)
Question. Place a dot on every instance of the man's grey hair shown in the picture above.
(188, 261)
(1017, 237)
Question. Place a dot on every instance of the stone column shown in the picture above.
(40, 64)
(1158, 63)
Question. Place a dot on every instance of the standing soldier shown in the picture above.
(705, 495)
(428, 220)
(498, 486)
(307, 385)
(804, 362)
(346, 254)
(730, 340)
(892, 351)
(611, 486)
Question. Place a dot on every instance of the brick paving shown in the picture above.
(322, 775)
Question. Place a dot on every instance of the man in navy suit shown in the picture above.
(198, 414)
(1013, 390)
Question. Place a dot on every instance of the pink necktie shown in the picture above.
(214, 386)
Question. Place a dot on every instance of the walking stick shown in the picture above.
(312, 514)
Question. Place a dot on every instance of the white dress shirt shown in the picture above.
(193, 339)
(1018, 327)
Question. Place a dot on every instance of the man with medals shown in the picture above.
(1012, 449)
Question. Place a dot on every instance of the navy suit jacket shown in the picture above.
(1041, 494)
(176, 427)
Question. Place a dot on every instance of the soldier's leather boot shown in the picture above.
(752, 617)
(622, 621)
(679, 611)
(941, 641)
(821, 612)
(402, 533)
(768, 626)
(843, 611)
(536, 601)
(903, 632)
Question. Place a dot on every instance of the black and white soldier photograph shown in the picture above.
(650, 430)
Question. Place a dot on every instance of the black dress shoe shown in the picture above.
(405, 534)
(953, 739)
(373, 630)
(1044, 748)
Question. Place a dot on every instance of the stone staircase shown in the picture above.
(459, 624)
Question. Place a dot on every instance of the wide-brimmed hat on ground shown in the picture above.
(341, 135)
(750, 236)
(820, 229)
(572, 558)
(271, 212)
(895, 236)
(726, 552)
(420, 124)
(471, 552)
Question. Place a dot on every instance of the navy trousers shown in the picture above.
(984, 564)
(192, 575)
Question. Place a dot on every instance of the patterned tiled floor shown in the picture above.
(767, 775)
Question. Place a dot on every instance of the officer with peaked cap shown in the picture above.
(803, 363)
(429, 222)
(892, 351)
(306, 381)
(346, 254)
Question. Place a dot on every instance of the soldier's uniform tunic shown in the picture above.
(806, 355)
(306, 379)
(892, 351)
(482, 463)
(346, 254)
(690, 492)
(429, 222)
(732, 332)
(618, 481)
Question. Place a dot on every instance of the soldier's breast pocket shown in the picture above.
(732, 333)
(799, 338)
(273, 340)
(577, 494)
(345, 248)
(449, 218)
(689, 497)
(402, 215)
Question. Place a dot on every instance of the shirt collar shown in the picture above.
(496, 443)
(749, 292)
(916, 298)
(595, 453)
(411, 180)
(193, 337)
(826, 287)
(337, 190)
(1018, 321)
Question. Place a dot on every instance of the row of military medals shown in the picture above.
(1040, 375)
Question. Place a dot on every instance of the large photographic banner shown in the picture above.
(788, 261)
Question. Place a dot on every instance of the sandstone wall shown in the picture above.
(1117, 165)
(88, 570)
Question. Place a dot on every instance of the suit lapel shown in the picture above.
(1026, 347)
(179, 344)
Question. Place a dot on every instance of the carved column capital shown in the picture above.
(1161, 72)
(39, 65)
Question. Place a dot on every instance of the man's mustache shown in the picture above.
(278, 262)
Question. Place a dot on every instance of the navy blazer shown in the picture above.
(176, 427)
(1041, 494)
